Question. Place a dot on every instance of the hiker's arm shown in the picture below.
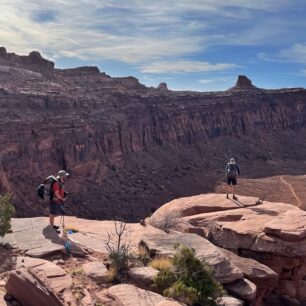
(238, 170)
(58, 196)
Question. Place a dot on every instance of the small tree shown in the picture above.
(6, 212)
(190, 281)
(117, 245)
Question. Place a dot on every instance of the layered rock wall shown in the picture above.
(130, 146)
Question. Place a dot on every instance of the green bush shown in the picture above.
(164, 279)
(6, 212)
(179, 291)
(191, 281)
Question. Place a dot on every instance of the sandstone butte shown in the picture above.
(129, 147)
(257, 251)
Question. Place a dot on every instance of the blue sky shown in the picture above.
(192, 45)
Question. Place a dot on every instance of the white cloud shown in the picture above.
(132, 31)
(184, 66)
(297, 53)
(294, 54)
(207, 81)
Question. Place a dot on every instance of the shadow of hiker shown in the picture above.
(238, 203)
(263, 211)
(52, 235)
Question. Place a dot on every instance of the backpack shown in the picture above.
(231, 170)
(44, 190)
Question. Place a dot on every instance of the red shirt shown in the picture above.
(58, 187)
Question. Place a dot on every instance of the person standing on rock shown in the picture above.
(232, 171)
(57, 197)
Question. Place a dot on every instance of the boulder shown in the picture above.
(256, 272)
(129, 295)
(25, 288)
(164, 244)
(142, 276)
(39, 282)
(230, 301)
(96, 270)
(242, 288)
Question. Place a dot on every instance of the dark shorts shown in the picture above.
(231, 181)
(56, 208)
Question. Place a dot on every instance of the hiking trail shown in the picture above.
(298, 200)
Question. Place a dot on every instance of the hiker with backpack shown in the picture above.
(57, 197)
(232, 171)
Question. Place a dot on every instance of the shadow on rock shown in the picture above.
(8, 260)
(262, 211)
(52, 235)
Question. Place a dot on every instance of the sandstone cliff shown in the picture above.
(128, 147)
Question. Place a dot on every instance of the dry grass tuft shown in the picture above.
(161, 263)
(112, 274)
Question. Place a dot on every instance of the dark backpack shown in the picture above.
(44, 190)
(231, 170)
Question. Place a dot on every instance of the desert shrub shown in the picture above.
(164, 279)
(117, 245)
(112, 274)
(143, 256)
(161, 263)
(179, 291)
(165, 221)
(190, 280)
(7, 210)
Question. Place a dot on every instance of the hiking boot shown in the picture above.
(227, 196)
(235, 198)
(56, 227)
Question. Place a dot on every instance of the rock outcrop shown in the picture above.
(243, 83)
(268, 239)
(162, 86)
(37, 282)
(128, 147)
(129, 295)
(257, 252)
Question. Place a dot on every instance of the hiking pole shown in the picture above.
(223, 177)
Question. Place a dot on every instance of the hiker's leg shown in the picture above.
(227, 187)
(51, 219)
(234, 184)
(53, 212)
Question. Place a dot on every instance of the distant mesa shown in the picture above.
(162, 86)
(79, 71)
(243, 83)
(33, 61)
(3, 52)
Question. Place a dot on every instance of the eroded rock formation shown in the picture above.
(268, 239)
(130, 148)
